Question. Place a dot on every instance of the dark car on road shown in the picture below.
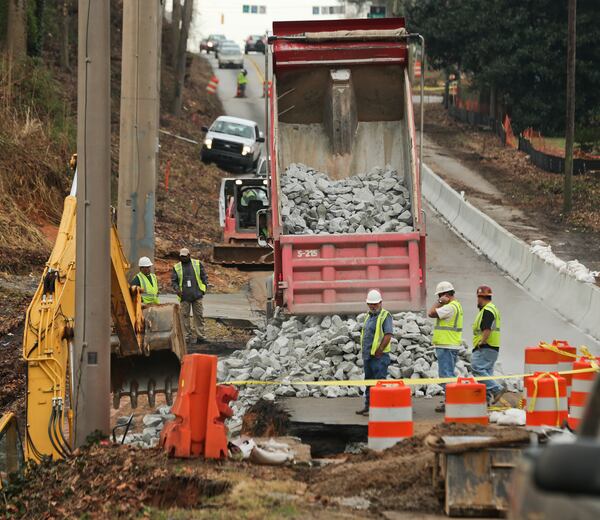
(212, 42)
(255, 43)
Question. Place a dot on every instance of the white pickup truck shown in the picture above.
(232, 141)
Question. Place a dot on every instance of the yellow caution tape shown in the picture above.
(531, 402)
(554, 348)
(372, 382)
(583, 349)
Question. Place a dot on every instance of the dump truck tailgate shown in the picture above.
(324, 274)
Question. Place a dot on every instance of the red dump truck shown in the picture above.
(339, 100)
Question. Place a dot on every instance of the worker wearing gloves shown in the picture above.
(242, 81)
(375, 342)
(486, 342)
(447, 332)
(189, 281)
(147, 281)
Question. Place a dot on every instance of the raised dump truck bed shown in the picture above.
(341, 103)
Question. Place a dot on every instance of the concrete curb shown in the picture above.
(577, 302)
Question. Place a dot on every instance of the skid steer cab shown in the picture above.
(241, 203)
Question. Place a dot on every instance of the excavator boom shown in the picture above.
(146, 347)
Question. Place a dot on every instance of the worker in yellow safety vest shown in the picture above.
(147, 281)
(242, 81)
(375, 342)
(447, 331)
(486, 342)
(189, 281)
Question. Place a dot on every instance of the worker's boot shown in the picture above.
(440, 408)
(495, 398)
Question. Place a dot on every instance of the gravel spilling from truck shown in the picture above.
(324, 348)
(374, 202)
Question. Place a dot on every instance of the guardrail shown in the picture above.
(575, 301)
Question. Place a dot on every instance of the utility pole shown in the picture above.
(180, 62)
(91, 384)
(570, 121)
(140, 106)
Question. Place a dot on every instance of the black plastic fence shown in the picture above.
(555, 163)
(545, 161)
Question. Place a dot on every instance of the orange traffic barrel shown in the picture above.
(390, 415)
(566, 360)
(546, 399)
(466, 402)
(213, 84)
(580, 391)
(539, 359)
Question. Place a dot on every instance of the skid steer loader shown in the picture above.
(240, 201)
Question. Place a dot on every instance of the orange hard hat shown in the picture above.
(484, 290)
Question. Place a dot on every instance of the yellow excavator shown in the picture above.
(147, 346)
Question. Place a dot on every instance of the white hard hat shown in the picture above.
(184, 251)
(145, 262)
(443, 287)
(374, 296)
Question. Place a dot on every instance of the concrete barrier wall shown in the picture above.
(577, 302)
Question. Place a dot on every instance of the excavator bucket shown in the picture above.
(156, 371)
(232, 255)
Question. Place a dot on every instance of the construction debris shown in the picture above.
(153, 424)
(572, 268)
(317, 348)
(509, 417)
(373, 202)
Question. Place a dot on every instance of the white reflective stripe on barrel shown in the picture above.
(582, 385)
(532, 369)
(382, 443)
(576, 412)
(403, 414)
(564, 366)
(548, 404)
(465, 411)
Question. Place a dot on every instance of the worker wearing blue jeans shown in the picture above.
(375, 343)
(447, 331)
(486, 342)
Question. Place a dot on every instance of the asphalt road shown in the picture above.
(526, 321)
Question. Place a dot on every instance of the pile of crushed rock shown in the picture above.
(294, 349)
(373, 202)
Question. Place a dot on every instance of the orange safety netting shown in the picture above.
(511, 140)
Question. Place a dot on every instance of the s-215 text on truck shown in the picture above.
(340, 102)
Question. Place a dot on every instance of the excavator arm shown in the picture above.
(146, 347)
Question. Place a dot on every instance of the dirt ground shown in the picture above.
(538, 194)
(113, 481)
